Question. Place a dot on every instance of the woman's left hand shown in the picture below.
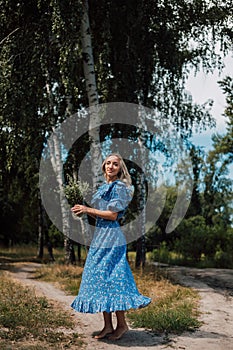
(79, 209)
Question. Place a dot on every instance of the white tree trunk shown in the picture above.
(54, 144)
(93, 100)
(56, 160)
(141, 243)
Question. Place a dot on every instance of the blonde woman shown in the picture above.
(107, 282)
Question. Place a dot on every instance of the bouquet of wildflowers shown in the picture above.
(75, 191)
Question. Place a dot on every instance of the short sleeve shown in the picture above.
(121, 195)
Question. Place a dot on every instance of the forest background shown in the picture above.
(139, 52)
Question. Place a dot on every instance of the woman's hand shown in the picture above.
(79, 209)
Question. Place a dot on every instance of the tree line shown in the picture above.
(142, 53)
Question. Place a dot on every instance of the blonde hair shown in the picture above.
(123, 174)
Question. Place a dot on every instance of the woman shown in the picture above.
(107, 282)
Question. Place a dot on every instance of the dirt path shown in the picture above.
(216, 291)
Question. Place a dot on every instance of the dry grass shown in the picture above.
(67, 277)
(31, 322)
(173, 309)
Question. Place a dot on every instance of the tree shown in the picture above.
(224, 144)
(193, 236)
(93, 99)
(218, 187)
(147, 63)
(33, 59)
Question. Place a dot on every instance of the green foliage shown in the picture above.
(218, 194)
(55, 236)
(42, 80)
(161, 254)
(223, 257)
(224, 145)
(193, 234)
(157, 233)
(198, 240)
(204, 237)
(197, 245)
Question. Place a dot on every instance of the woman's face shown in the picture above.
(112, 168)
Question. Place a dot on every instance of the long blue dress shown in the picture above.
(107, 281)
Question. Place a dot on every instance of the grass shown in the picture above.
(173, 309)
(31, 322)
(221, 259)
(67, 277)
(25, 252)
(18, 253)
(28, 253)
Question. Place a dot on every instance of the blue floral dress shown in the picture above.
(107, 281)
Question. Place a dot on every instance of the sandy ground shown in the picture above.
(215, 287)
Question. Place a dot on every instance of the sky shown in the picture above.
(203, 87)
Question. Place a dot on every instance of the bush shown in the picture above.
(193, 236)
(160, 254)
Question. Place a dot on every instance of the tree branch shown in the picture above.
(11, 33)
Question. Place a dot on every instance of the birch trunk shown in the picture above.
(82, 220)
(93, 100)
(54, 145)
(141, 242)
(56, 160)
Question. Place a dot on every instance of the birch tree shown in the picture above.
(141, 242)
(55, 153)
(56, 160)
(93, 100)
(152, 57)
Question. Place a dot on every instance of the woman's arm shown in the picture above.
(104, 214)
